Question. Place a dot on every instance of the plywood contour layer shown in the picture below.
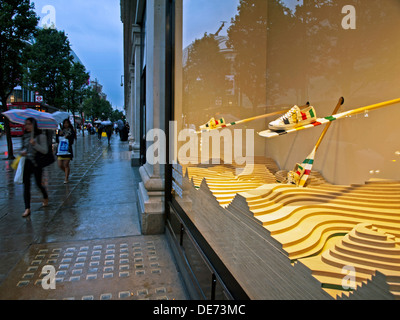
(343, 234)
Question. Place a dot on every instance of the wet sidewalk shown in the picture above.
(90, 233)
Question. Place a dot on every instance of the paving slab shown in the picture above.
(90, 232)
(136, 268)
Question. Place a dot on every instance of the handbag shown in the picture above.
(44, 160)
(63, 147)
(15, 163)
(19, 175)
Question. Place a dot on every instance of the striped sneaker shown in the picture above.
(294, 176)
(294, 118)
(213, 124)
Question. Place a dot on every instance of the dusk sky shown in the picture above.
(94, 29)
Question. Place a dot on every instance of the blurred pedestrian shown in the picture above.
(109, 131)
(125, 132)
(34, 141)
(120, 125)
(67, 131)
(100, 130)
(89, 128)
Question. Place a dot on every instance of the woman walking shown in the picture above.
(34, 141)
(67, 132)
(109, 131)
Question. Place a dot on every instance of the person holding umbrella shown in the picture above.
(100, 129)
(108, 129)
(121, 126)
(34, 141)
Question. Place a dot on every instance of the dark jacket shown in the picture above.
(40, 146)
(109, 130)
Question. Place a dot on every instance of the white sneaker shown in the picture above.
(294, 118)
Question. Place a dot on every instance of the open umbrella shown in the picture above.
(107, 123)
(44, 120)
(120, 124)
(60, 116)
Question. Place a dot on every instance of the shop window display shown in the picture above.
(290, 116)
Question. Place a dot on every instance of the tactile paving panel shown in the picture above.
(138, 267)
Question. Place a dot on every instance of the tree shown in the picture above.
(76, 89)
(18, 23)
(96, 107)
(116, 115)
(351, 58)
(204, 75)
(49, 65)
(248, 38)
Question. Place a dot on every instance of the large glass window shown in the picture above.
(237, 61)
(242, 64)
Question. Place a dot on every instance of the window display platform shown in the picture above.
(279, 241)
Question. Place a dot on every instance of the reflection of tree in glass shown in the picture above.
(204, 73)
(255, 49)
(301, 54)
(306, 53)
(352, 60)
(248, 38)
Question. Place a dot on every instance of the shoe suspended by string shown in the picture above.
(294, 118)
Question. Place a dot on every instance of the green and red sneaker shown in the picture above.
(213, 124)
(294, 118)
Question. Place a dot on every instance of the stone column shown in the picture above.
(152, 188)
(135, 126)
(130, 114)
